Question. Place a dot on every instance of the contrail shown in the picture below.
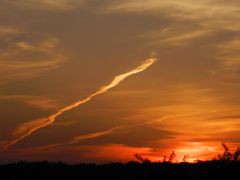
(28, 128)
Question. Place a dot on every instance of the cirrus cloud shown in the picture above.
(49, 5)
(30, 57)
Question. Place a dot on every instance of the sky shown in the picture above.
(182, 93)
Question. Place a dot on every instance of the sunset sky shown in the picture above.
(182, 93)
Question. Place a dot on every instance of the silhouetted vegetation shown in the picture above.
(141, 159)
(227, 166)
(228, 156)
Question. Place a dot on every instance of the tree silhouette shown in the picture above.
(172, 157)
(237, 155)
(141, 159)
(164, 158)
(227, 155)
(185, 157)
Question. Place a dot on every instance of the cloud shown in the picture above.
(65, 123)
(185, 37)
(185, 9)
(6, 31)
(114, 135)
(174, 8)
(116, 152)
(187, 20)
(213, 126)
(177, 13)
(176, 36)
(49, 5)
(229, 54)
(80, 138)
(133, 136)
(82, 153)
(21, 60)
(39, 102)
(230, 46)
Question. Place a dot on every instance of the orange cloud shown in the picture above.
(39, 102)
(116, 152)
(22, 60)
(5, 30)
(90, 153)
(49, 5)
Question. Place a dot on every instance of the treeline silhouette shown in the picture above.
(226, 166)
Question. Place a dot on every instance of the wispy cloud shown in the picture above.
(92, 135)
(120, 130)
(22, 60)
(176, 36)
(185, 37)
(229, 53)
(6, 31)
(39, 102)
(65, 123)
(83, 153)
(52, 5)
(190, 20)
(80, 138)
(228, 56)
(185, 9)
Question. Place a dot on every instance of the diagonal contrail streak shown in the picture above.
(28, 128)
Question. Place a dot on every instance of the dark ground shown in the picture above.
(130, 170)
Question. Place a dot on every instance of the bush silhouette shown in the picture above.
(141, 159)
(227, 155)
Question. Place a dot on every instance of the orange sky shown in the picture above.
(57, 52)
